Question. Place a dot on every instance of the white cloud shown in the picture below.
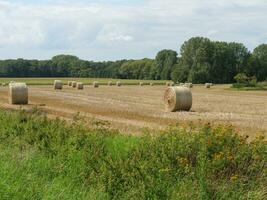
(108, 30)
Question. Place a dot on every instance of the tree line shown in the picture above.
(200, 60)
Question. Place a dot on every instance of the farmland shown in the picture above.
(132, 108)
(119, 143)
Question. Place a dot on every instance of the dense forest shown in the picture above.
(200, 60)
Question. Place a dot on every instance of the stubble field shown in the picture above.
(132, 109)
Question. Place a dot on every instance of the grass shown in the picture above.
(86, 81)
(52, 159)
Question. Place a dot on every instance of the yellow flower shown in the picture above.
(234, 178)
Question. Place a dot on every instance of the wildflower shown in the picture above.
(234, 178)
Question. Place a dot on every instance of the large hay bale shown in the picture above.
(118, 83)
(141, 83)
(69, 83)
(58, 85)
(74, 84)
(18, 93)
(151, 84)
(80, 86)
(110, 83)
(178, 99)
(95, 84)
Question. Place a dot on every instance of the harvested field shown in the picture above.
(133, 108)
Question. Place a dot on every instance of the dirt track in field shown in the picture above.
(133, 108)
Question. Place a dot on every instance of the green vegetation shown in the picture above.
(53, 159)
(245, 83)
(86, 81)
(200, 60)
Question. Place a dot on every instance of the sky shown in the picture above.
(118, 29)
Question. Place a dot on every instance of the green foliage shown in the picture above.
(163, 65)
(209, 61)
(200, 60)
(242, 80)
(51, 159)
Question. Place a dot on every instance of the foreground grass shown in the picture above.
(50, 159)
(87, 81)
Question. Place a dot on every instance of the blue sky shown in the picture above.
(117, 29)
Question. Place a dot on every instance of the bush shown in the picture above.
(242, 80)
(42, 158)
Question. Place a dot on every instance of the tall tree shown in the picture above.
(163, 65)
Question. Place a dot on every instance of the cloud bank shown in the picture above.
(115, 29)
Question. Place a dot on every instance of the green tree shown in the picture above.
(164, 64)
(258, 63)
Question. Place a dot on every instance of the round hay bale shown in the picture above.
(95, 84)
(169, 83)
(69, 83)
(178, 99)
(80, 86)
(141, 83)
(207, 85)
(4, 84)
(74, 84)
(18, 93)
(110, 83)
(188, 85)
(118, 83)
(58, 85)
(151, 84)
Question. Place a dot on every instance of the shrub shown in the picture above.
(42, 158)
(242, 80)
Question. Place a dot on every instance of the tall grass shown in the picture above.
(52, 159)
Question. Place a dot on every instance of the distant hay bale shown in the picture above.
(95, 84)
(188, 85)
(74, 84)
(208, 85)
(151, 84)
(69, 83)
(80, 86)
(118, 83)
(110, 83)
(18, 93)
(178, 99)
(58, 85)
(4, 84)
(169, 83)
(141, 83)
